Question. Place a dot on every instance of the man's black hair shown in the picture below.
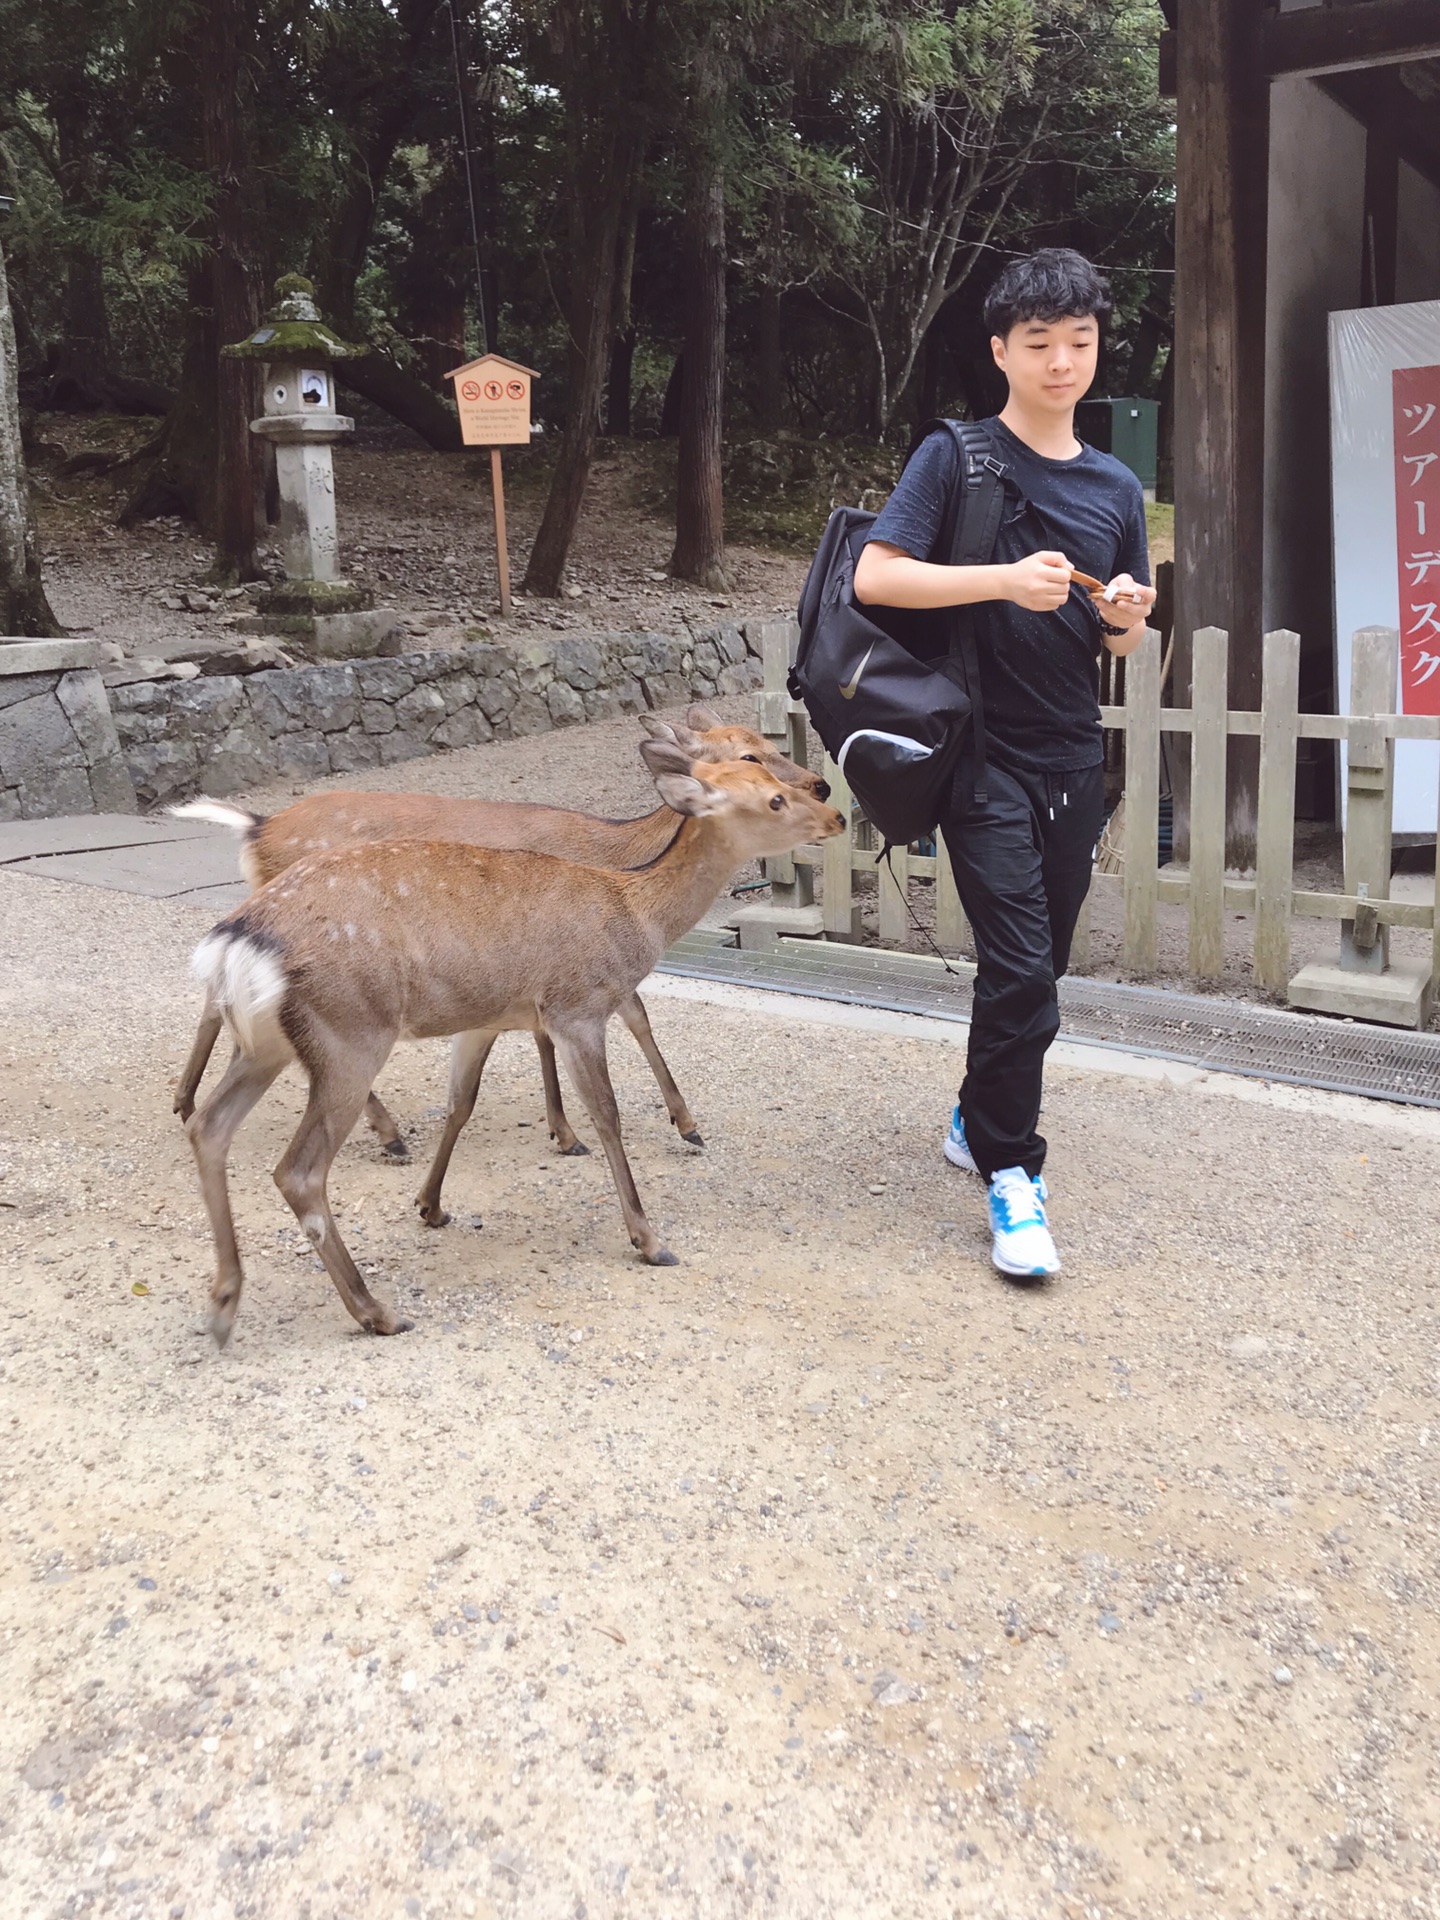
(1054, 284)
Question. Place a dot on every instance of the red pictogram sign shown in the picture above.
(516, 389)
(470, 389)
(1416, 393)
(494, 390)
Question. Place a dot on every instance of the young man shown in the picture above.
(1022, 854)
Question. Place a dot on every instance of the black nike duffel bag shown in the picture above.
(893, 721)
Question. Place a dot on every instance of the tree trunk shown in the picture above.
(23, 606)
(224, 47)
(769, 357)
(180, 478)
(699, 494)
(591, 321)
(404, 398)
(618, 419)
(618, 391)
(671, 403)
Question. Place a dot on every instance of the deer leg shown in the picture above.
(206, 1034)
(378, 1119)
(337, 1093)
(468, 1054)
(561, 1132)
(632, 1012)
(582, 1048)
(210, 1132)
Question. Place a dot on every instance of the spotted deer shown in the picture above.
(348, 951)
(324, 820)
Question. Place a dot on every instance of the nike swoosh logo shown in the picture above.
(848, 692)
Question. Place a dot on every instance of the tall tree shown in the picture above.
(23, 605)
(225, 88)
(601, 56)
(699, 498)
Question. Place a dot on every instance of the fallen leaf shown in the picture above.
(140, 1287)
(612, 1633)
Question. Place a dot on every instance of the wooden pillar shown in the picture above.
(1380, 230)
(1222, 164)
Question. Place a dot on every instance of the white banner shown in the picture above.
(1385, 489)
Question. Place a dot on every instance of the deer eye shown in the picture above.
(753, 758)
(777, 801)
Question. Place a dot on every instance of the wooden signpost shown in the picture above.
(492, 395)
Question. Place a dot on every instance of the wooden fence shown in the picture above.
(1364, 910)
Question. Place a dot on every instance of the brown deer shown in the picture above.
(338, 819)
(349, 951)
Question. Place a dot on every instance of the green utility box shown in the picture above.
(1130, 429)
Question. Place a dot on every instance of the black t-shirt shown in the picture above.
(1038, 671)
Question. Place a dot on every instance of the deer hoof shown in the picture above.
(662, 1257)
(385, 1323)
(574, 1151)
(693, 1137)
(182, 1107)
(433, 1216)
(222, 1325)
(396, 1150)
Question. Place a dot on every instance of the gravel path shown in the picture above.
(822, 1575)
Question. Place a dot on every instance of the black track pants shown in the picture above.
(1022, 866)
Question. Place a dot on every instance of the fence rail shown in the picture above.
(1364, 911)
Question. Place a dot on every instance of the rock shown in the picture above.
(1283, 1677)
(1349, 1852)
(564, 703)
(889, 1690)
(580, 663)
(255, 656)
(1249, 1346)
(730, 642)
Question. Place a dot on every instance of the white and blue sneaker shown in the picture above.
(957, 1148)
(1021, 1246)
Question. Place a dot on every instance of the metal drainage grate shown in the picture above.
(1228, 1036)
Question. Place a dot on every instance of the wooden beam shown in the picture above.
(1222, 168)
(1347, 36)
(1384, 105)
(1380, 214)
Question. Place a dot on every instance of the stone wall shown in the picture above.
(59, 749)
(220, 734)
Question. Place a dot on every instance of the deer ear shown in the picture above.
(665, 756)
(703, 720)
(657, 729)
(685, 794)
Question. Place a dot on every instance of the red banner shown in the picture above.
(1416, 393)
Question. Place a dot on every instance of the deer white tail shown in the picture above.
(246, 983)
(222, 813)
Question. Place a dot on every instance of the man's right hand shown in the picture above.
(1039, 582)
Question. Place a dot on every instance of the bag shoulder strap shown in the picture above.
(974, 522)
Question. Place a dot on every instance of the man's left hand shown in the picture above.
(1125, 603)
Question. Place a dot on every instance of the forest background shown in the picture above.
(764, 224)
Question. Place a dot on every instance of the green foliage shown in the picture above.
(880, 158)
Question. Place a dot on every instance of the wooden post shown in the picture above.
(1275, 821)
(1221, 169)
(952, 929)
(835, 862)
(1370, 793)
(1208, 700)
(792, 884)
(1142, 801)
(502, 550)
(892, 878)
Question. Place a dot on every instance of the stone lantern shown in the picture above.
(298, 352)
